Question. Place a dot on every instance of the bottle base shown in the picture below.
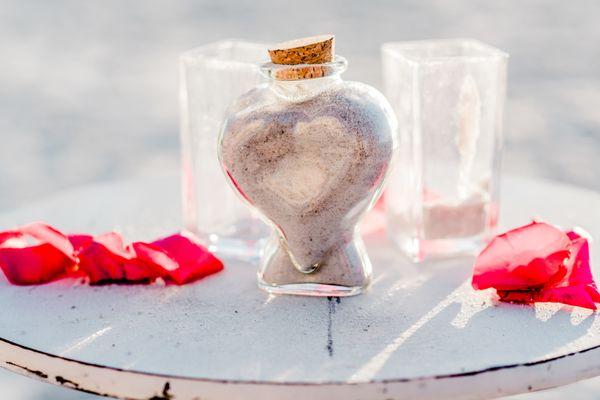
(312, 289)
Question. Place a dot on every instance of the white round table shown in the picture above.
(420, 332)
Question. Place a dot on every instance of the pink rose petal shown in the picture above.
(534, 264)
(522, 258)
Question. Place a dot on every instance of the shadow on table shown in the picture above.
(425, 320)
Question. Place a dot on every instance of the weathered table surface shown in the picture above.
(420, 332)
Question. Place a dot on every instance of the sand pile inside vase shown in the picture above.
(450, 219)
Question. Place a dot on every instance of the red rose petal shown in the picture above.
(25, 264)
(114, 243)
(523, 258)
(577, 288)
(176, 258)
(518, 296)
(155, 256)
(103, 259)
(578, 265)
(8, 235)
(106, 260)
(574, 296)
(571, 295)
(47, 234)
(156, 263)
(535, 264)
(592, 290)
(80, 241)
(194, 260)
(137, 271)
(33, 264)
(100, 264)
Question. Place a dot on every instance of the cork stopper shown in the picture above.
(310, 50)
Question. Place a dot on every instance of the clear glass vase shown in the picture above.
(311, 155)
(448, 95)
(211, 78)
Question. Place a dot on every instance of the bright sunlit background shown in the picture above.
(88, 89)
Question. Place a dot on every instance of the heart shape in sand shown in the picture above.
(311, 167)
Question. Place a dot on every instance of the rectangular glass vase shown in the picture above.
(448, 95)
(211, 78)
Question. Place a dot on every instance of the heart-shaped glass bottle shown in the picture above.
(311, 155)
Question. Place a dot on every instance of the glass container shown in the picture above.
(211, 78)
(311, 155)
(448, 95)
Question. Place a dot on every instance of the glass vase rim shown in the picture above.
(212, 53)
(407, 50)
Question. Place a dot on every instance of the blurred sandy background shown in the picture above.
(88, 89)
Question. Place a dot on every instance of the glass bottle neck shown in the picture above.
(303, 81)
(303, 89)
